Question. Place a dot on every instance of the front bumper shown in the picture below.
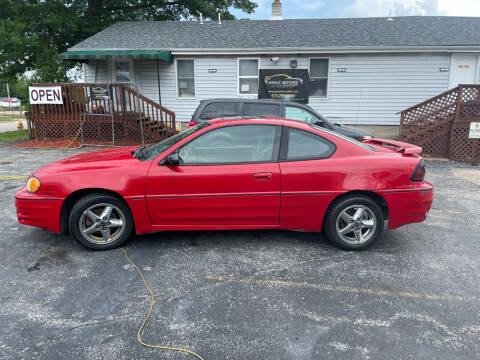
(39, 211)
(409, 206)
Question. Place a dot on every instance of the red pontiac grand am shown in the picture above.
(233, 174)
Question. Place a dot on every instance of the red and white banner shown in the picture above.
(45, 94)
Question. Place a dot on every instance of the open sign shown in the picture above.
(45, 94)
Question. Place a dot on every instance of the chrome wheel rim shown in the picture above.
(102, 223)
(356, 224)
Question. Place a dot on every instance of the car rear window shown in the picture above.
(303, 145)
(254, 109)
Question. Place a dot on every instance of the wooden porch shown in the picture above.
(101, 113)
(441, 124)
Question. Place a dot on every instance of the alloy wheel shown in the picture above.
(356, 224)
(102, 223)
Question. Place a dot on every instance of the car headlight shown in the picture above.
(33, 184)
(366, 137)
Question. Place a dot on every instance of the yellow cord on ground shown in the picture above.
(152, 304)
(78, 132)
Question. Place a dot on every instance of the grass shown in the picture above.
(14, 135)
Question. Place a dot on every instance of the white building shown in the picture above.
(362, 70)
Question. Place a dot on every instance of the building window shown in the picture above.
(318, 77)
(247, 76)
(121, 71)
(186, 78)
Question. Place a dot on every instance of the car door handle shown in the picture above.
(262, 176)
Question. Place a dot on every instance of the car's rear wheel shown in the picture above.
(354, 223)
(100, 222)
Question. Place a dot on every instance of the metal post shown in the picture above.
(158, 83)
(81, 129)
(137, 105)
(111, 112)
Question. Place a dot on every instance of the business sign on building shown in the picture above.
(45, 94)
(286, 84)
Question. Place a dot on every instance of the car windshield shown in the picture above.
(151, 151)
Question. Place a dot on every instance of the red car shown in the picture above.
(233, 174)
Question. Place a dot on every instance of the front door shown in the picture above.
(227, 177)
(464, 69)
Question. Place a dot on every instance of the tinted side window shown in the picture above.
(253, 109)
(219, 109)
(303, 145)
(296, 113)
(232, 145)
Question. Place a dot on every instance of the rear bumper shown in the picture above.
(408, 205)
(38, 211)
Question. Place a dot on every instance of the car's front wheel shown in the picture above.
(354, 223)
(100, 222)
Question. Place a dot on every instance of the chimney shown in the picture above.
(276, 10)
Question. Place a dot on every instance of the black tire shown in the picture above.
(348, 240)
(92, 204)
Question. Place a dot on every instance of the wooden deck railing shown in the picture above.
(122, 115)
(440, 125)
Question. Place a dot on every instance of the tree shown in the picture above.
(34, 32)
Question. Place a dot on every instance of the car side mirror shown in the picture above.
(173, 159)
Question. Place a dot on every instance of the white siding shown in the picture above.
(223, 83)
(375, 87)
(371, 91)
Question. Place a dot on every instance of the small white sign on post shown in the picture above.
(45, 94)
(474, 130)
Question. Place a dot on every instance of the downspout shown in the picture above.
(158, 83)
(95, 76)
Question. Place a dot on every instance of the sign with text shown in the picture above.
(474, 130)
(45, 94)
(286, 84)
(99, 92)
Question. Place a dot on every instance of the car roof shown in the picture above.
(268, 120)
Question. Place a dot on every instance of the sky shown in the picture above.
(295, 9)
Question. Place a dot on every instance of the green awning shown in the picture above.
(163, 55)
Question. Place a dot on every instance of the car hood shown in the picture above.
(97, 160)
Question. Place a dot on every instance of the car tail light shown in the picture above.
(192, 124)
(419, 172)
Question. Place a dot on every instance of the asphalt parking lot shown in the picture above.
(246, 294)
